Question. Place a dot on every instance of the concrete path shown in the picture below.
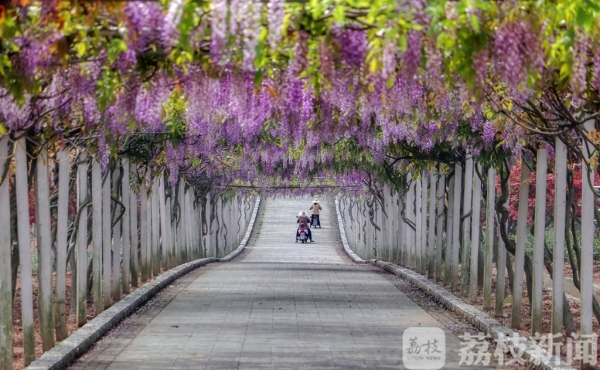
(280, 305)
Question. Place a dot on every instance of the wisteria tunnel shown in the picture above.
(316, 184)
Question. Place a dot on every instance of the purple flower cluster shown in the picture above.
(476, 121)
(480, 66)
(284, 125)
(175, 158)
(596, 70)
(126, 103)
(237, 10)
(149, 109)
(219, 29)
(578, 79)
(34, 53)
(352, 44)
(126, 61)
(412, 57)
(434, 67)
(251, 12)
(29, 55)
(275, 17)
(300, 61)
(512, 139)
(327, 65)
(146, 24)
(13, 115)
(489, 134)
(307, 106)
(170, 33)
(513, 50)
(389, 61)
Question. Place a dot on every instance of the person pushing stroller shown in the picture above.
(315, 207)
(304, 220)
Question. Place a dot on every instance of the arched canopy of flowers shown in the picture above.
(251, 91)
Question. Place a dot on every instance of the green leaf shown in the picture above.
(584, 19)
(80, 48)
(260, 59)
(264, 35)
(119, 44)
(339, 14)
(2, 129)
(390, 82)
(318, 7)
(258, 77)
(373, 65)
(403, 43)
(475, 23)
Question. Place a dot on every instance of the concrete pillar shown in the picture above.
(520, 246)
(539, 238)
(489, 240)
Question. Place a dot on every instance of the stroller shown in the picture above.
(302, 233)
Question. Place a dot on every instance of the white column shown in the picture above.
(97, 237)
(106, 242)
(155, 221)
(164, 235)
(171, 251)
(467, 207)
(24, 237)
(125, 191)
(392, 222)
(62, 218)
(489, 240)
(6, 309)
(501, 273)
(449, 232)
(409, 214)
(539, 237)
(82, 239)
(44, 244)
(475, 239)
(520, 246)
(441, 190)
(560, 204)
(588, 202)
(399, 236)
(144, 245)
(431, 235)
(116, 240)
(180, 227)
(456, 225)
(209, 244)
(133, 217)
(424, 225)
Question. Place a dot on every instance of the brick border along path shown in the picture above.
(279, 305)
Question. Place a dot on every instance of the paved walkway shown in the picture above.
(281, 305)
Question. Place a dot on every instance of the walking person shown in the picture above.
(315, 207)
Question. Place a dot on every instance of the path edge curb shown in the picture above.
(80, 341)
(347, 248)
(244, 241)
(478, 318)
(67, 351)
